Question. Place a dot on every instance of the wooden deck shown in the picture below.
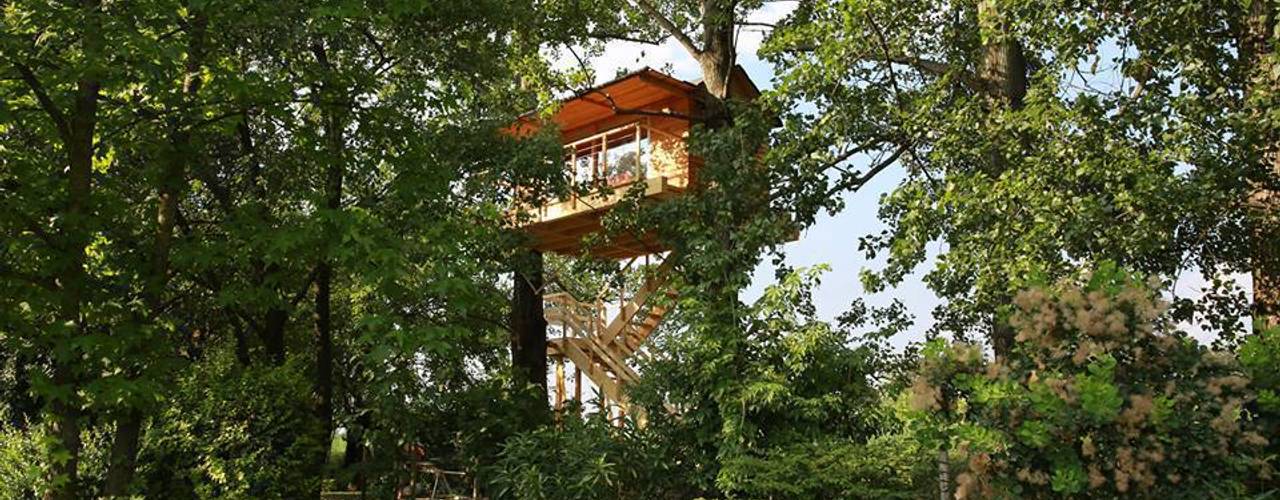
(560, 227)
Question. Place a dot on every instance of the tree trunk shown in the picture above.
(355, 454)
(79, 131)
(242, 344)
(324, 347)
(528, 325)
(716, 60)
(273, 334)
(1004, 73)
(1264, 194)
(944, 474)
(124, 451)
(333, 127)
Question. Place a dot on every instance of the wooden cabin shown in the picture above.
(628, 133)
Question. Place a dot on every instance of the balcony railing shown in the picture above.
(622, 155)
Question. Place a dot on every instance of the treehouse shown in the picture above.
(623, 138)
(625, 135)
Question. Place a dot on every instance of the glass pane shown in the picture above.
(626, 162)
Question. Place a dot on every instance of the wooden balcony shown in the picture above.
(633, 159)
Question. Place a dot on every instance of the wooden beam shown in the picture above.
(559, 385)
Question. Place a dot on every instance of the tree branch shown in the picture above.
(624, 38)
(51, 108)
(938, 69)
(668, 26)
(40, 281)
(859, 181)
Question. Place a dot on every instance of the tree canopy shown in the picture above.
(266, 249)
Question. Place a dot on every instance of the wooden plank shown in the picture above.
(597, 375)
(652, 284)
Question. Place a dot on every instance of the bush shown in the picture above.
(1260, 356)
(21, 470)
(583, 459)
(235, 432)
(1100, 399)
(890, 466)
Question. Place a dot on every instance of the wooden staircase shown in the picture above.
(601, 349)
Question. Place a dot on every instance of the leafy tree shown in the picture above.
(180, 175)
(1033, 137)
(797, 382)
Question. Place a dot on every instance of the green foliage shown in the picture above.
(1102, 399)
(22, 474)
(234, 432)
(1259, 355)
(1103, 137)
(796, 381)
(174, 176)
(888, 466)
(581, 459)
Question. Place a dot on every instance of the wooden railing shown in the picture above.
(621, 155)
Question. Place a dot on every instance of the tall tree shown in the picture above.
(67, 98)
(1032, 139)
(171, 187)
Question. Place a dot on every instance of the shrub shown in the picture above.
(1099, 398)
(582, 459)
(889, 466)
(21, 470)
(235, 432)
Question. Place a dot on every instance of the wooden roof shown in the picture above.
(636, 90)
(643, 89)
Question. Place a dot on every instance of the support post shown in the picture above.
(577, 384)
(559, 385)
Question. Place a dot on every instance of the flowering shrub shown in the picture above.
(1099, 398)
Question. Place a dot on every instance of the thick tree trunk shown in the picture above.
(1264, 195)
(124, 453)
(1004, 73)
(528, 325)
(272, 335)
(716, 60)
(66, 427)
